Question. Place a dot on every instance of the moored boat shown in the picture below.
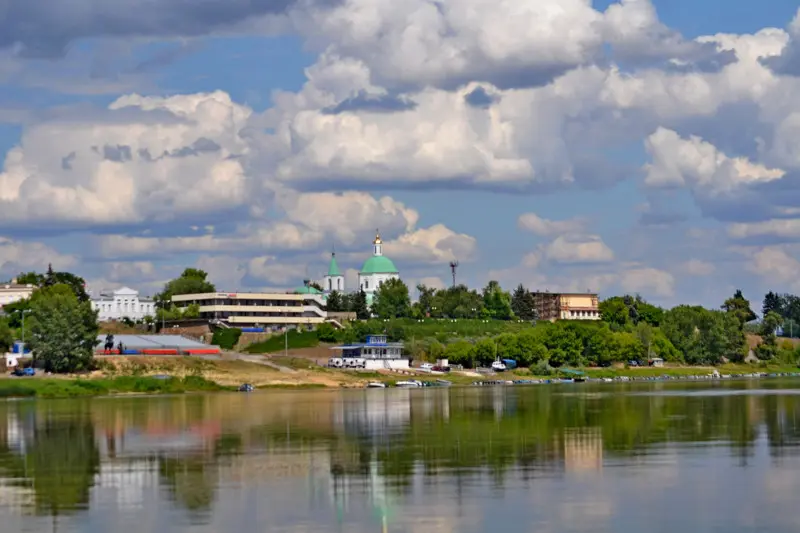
(376, 385)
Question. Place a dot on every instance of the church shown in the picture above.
(374, 271)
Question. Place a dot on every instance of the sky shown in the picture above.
(638, 146)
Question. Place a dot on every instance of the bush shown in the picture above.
(542, 368)
(326, 333)
(226, 338)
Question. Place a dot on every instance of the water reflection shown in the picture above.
(571, 458)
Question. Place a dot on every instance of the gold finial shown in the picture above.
(377, 237)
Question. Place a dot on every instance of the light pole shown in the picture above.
(23, 312)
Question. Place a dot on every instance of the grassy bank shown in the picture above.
(72, 388)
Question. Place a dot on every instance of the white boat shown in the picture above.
(376, 385)
(498, 366)
(409, 383)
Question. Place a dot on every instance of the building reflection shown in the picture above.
(381, 455)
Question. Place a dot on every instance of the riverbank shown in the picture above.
(175, 375)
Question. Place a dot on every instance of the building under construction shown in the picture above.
(566, 306)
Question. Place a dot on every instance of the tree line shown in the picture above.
(61, 327)
(392, 300)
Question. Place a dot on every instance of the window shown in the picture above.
(366, 284)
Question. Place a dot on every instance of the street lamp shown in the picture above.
(23, 312)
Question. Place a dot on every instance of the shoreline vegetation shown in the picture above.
(153, 375)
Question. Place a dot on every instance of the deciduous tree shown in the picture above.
(391, 300)
(63, 329)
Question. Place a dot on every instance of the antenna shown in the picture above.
(453, 267)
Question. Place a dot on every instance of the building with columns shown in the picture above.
(122, 303)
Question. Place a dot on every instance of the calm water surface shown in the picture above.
(659, 457)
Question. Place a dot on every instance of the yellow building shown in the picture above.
(566, 306)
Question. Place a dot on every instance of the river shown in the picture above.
(622, 458)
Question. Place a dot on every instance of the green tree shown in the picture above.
(485, 351)
(63, 329)
(334, 302)
(457, 302)
(15, 311)
(326, 333)
(497, 301)
(531, 347)
(768, 348)
(359, 305)
(436, 350)
(601, 347)
(615, 313)
(508, 346)
(76, 283)
(191, 281)
(391, 300)
(30, 278)
(6, 335)
(773, 302)
(461, 353)
(739, 307)
(523, 304)
(426, 299)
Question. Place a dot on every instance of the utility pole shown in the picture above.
(286, 341)
(453, 267)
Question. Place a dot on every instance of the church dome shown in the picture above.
(379, 264)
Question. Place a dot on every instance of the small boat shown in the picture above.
(246, 387)
(409, 383)
(498, 366)
(443, 382)
(376, 385)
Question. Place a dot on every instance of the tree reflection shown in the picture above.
(61, 464)
(190, 483)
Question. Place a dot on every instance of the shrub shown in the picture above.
(226, 338)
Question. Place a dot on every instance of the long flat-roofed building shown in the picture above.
(566, 306)
(259, 309)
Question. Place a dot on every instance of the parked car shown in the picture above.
(24, 371)
(426, 366)
(441, 369)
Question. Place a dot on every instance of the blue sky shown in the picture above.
(629, 146)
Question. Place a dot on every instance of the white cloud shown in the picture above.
(698, 164)
(648, 281)
(436, 245)
(22, 256)
(549, 228)
(696, 267)
(787, 228)
(775, 264)
(144, 159)
(578, 249)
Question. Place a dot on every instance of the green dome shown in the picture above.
(379, 264)
(307, 290)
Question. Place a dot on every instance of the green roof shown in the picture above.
(379, 264)
(307, 290)
(333, 269)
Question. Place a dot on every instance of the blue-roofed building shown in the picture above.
(376, 354)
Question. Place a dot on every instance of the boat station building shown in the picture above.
(375, 354)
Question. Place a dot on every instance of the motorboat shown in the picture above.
(498, 366)
(376, 385)
(409, 383)
(246, 387)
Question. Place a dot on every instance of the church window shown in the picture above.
(329, 284)
(366, 284)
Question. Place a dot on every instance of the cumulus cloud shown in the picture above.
(43, 28)
(508, 43)
(697, 267)
(578, 249)
(788, 229)
(694, 163)
(143, 159)
(648, 281)
(22, 256)
(774, 263)
(549, 228)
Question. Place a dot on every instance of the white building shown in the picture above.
(303, 307)
(123, 303)
(376, 270)
(14, 292)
